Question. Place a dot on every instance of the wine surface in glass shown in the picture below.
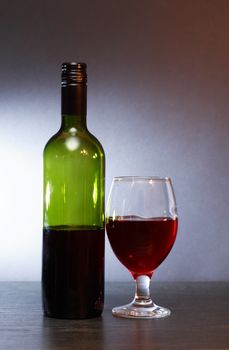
(141, 244)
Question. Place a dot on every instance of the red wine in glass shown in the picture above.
(141, 244)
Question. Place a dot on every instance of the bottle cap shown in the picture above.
(74, 73)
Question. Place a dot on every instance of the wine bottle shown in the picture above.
(73, 211)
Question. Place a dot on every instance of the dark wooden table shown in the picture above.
(199, 320)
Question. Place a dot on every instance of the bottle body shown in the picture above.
(73, 230)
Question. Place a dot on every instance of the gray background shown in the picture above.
(158, 102)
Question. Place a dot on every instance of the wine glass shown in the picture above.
(141, 224)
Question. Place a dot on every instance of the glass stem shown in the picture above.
(142, 292)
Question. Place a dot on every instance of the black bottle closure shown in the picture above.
(74, 89)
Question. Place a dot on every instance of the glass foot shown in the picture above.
(133, 310)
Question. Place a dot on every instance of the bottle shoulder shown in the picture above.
(73, 142)
(95, 141)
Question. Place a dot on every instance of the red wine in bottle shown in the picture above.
(73, 219)
(73, 271)
(141, 245)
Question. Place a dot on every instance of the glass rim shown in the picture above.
(141, 178)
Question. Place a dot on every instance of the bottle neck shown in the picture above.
(74, 106)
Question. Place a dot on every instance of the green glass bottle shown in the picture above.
(73, 213)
